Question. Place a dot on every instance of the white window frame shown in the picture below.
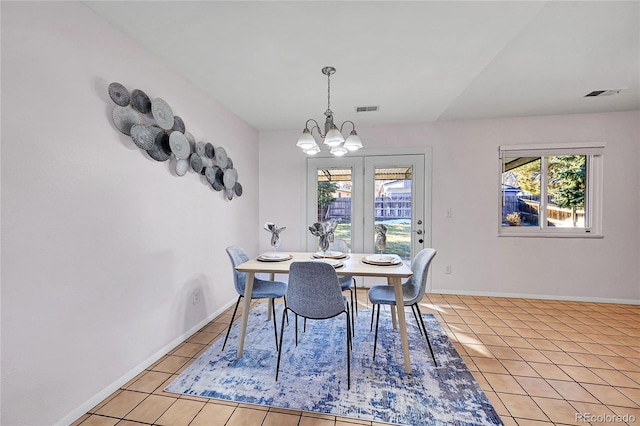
(594, 151)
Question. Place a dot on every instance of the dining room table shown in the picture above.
(354, 264)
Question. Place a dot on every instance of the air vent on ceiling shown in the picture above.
(367, 108)
(604, 92)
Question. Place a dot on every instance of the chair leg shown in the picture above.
(296, 330)
(285, 305)
(350, 326)
(373, 312)
(231, 322)
(353, 318)
(275, 327)
(355, 292)
(426, 335)
(375, 339)
(349, 343)
(413, 309)
(284, 314)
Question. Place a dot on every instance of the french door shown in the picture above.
(361, 192)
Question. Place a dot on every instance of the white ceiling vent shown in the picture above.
(609, 92)
(367, 108)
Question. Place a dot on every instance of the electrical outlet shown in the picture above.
(196, 296)
(447, 269)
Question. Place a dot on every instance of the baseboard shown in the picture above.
(104, 394)
(536, 296)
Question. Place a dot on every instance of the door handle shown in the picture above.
(418, 231)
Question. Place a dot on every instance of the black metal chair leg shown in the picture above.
(353, 318)
(355, 291)
(413, 309)
(284, 313)
(375, 339)
(275, 327)
(296, 330)
(426, 336)
(349, 328)
(231, 322)
(349, 343)
(373, 312)
(285, 305)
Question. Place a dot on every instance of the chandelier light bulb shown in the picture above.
(338, 151)
(313, 150)
(306, 140)
(333, 137)
(353, 142)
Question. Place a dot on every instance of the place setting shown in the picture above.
(330, 254)
(381, 244)
(333, 262)
(382, 260)
(274, 257)
(275, 243)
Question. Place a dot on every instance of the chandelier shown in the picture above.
(332, 136)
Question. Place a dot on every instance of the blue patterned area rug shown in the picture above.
(313, 375)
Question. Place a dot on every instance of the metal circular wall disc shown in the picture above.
(119, 94)
(162, 113)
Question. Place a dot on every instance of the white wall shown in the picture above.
(464, 179)
(101, 246)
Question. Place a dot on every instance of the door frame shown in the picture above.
(311, 189)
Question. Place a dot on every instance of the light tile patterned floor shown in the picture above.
(540, 362)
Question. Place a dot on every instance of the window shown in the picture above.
(551, 190)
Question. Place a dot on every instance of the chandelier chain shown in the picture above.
(329, 91)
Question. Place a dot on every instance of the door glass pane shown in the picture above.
(521, 191)
(566, 191)
(393, 198)
(334, 202)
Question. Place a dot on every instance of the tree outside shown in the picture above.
(326, 189)
(567, 182)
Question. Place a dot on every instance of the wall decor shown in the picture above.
(155, 129)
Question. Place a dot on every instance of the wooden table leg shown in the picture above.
(397, 286)
(394, 321)
(248, 290)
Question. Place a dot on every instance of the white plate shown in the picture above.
(329, 254)
(274, 257)
(333, 262)
(385, 259)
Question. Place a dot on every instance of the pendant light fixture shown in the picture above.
(332, 136)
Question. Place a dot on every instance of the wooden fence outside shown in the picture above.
(385, 208)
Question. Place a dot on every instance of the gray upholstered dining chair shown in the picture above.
(413, 291)
(314, 293)
(262, 289)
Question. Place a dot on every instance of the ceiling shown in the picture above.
(419, 61)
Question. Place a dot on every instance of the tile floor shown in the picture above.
(540, 362)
